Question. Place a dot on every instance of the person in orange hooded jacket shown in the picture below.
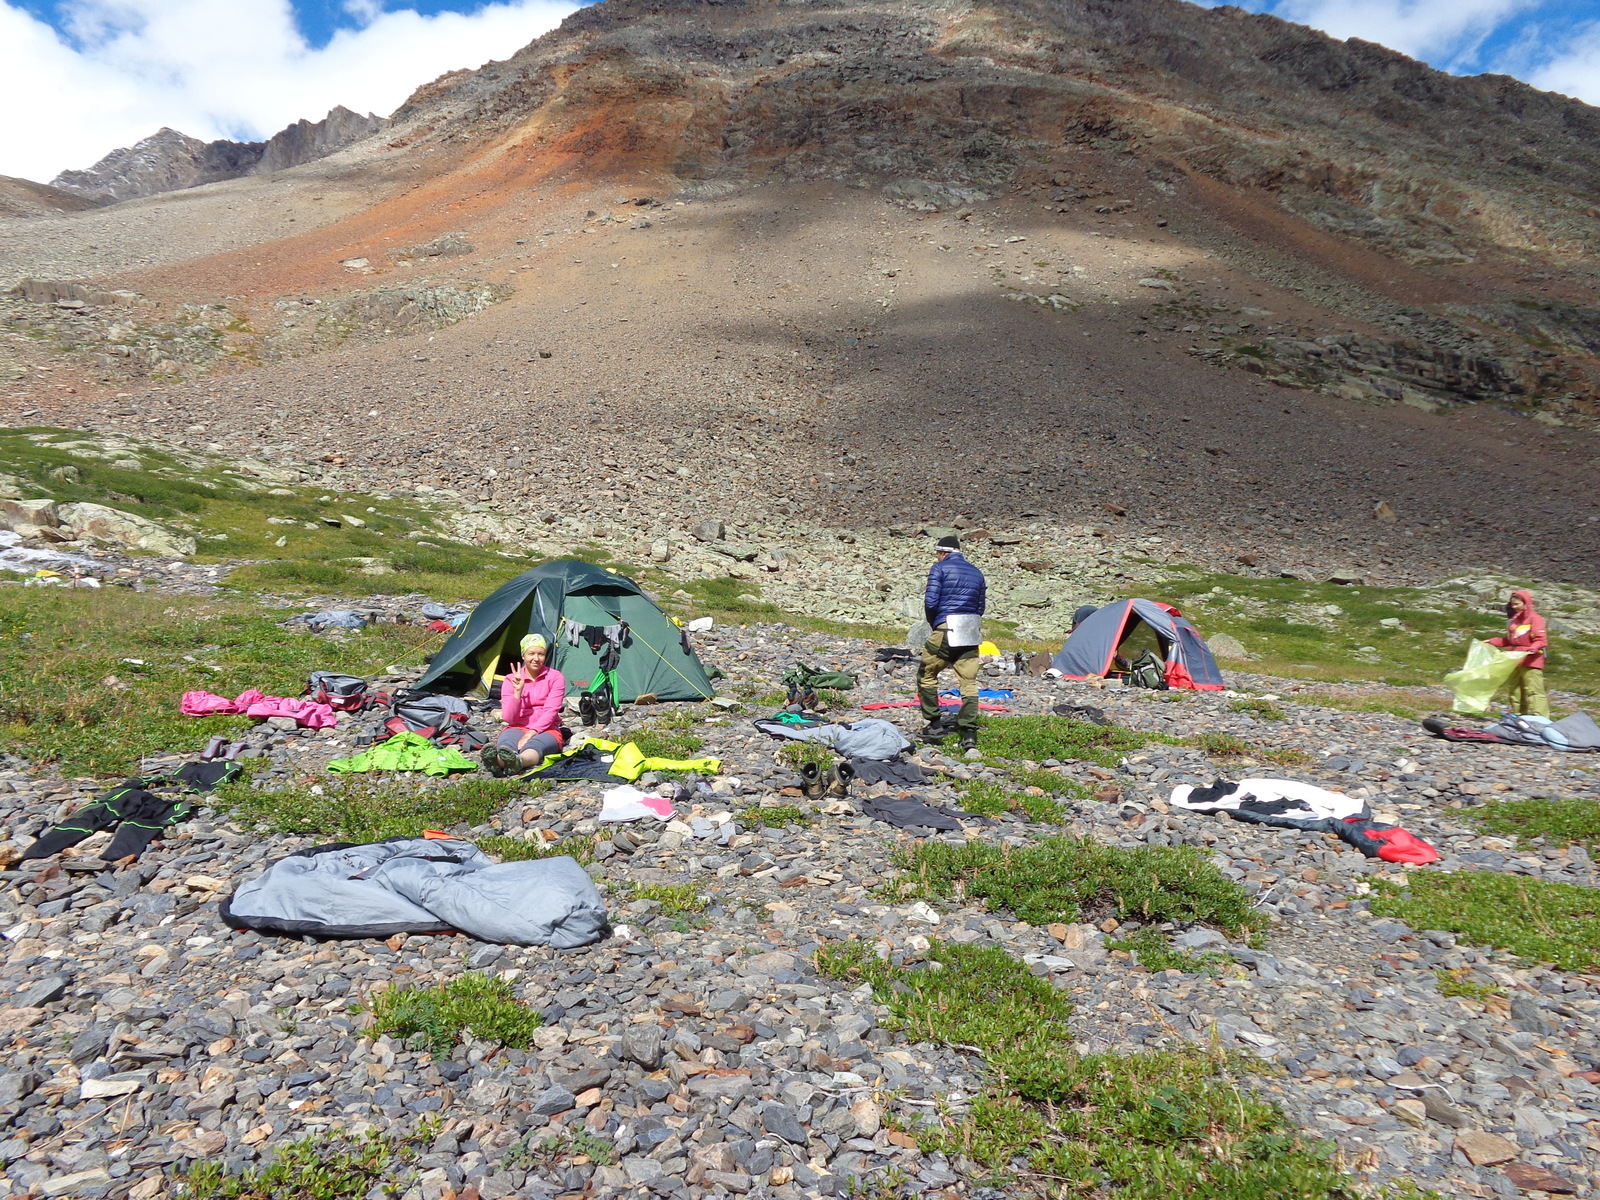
(1525, 631)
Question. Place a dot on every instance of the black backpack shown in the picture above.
(1148, 671)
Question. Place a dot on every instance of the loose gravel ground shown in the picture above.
(710, 1053)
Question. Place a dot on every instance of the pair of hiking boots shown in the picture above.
(817, 781)
(595, 709)
(935, 732)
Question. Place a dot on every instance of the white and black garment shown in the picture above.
(1283, 802)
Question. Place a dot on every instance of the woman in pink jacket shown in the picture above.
(530, 705)
(1525, 631)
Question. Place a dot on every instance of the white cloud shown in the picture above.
(222, 68)
(1442, 32)
(1574, 70)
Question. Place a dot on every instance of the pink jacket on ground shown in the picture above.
(252, 703)
(539, 706)
(1525, 631)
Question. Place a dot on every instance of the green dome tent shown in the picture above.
(550, 599)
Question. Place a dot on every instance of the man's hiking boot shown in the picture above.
(839, 778)
(812, 781)
(586, 708)
(969, 740)
(935, 731)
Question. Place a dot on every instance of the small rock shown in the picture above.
(1485, 1149)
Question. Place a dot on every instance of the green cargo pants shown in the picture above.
(1527, 691)
(937, 657)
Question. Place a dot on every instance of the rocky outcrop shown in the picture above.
(99, 523)
(170, 161)
(305, 141)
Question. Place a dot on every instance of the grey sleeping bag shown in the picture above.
(420, 885)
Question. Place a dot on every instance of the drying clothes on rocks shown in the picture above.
(983, 694)
(893, 654)
(420, 885)
(627, 803)
(597, 759)
(888, 770)
(907, 812)
(251, 703)
(1577, 733)
(1291, 804)
(871, 738)
(1285, 802)
(405, 752)
(137, 814)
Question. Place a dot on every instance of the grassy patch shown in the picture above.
(989, 799)
(1460, 982)
(515, 849)
(1071, 879)
(798, 754)
(329, 1166)
(676, 899)
(70, 696)
(369, 810)
(1535, 919)
(1063, 739)
(1307, 630)
(242, 512)
(436, 1017)
(777, 817)
(1264, 709)
(1558, 822)
(723, 600)
(1151, 1126)
(667, 743)
(1222, 745)
(1155, 952)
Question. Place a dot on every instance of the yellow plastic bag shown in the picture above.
(988, 650)
(1485, 672)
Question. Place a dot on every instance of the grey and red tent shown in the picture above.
(1091, 649)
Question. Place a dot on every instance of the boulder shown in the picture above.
(708, 531)
(29, 512)
(10, 487)
(1033, 597)
(1225, 645)
(104, 524)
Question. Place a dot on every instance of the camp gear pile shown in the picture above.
(251, 703)
(1576, 734)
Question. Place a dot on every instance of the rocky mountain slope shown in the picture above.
(169, 161)
(1307, 303)
(24, 198)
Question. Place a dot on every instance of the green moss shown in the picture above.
(1460, 982)
(778, 817)
(1063, 739)
(1556, 822)
(1533, 918)
(360, 809)
(676, 899)
(1155, 952)
(1071, 879)
(328, 1166)
(436, 1017)
(515, 849)
(1148, 1125)
(1264, 709)
(989, 799)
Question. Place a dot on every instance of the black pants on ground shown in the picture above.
(138, 816)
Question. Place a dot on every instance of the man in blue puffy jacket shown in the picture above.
(954, 604)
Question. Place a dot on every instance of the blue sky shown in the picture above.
(115, 71)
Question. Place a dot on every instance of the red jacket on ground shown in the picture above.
(1525, 631)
